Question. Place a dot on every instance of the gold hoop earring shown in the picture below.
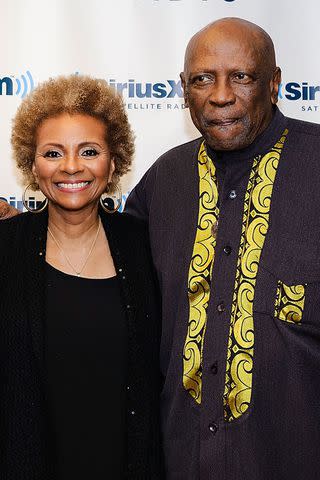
(26, 203)
(103, 201)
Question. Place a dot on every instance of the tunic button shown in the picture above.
(227, 249)
(214, 368)
(213, 427)
(221, 307)
(128, 306)
(232, 194)
(132, 412)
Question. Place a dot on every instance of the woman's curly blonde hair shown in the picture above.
(74, 94)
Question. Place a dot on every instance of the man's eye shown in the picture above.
(202, 79)
(52, 154)
(89, 152)
(242, 77)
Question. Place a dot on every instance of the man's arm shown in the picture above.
(138, 202)
(7, 211)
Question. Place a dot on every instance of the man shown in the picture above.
(234, 229)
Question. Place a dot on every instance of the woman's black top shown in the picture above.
(86, 344)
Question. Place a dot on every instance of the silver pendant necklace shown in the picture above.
(77, 272)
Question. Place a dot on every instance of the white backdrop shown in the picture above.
(141, 43)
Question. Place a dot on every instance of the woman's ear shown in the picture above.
(34, 172)
(111, 170)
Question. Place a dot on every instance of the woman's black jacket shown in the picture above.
(25, 451)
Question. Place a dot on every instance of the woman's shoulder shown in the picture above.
(125, 223)
(15, 230)
(127, 235)
(11, 225)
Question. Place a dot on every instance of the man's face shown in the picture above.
(229, 89)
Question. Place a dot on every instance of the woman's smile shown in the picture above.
(71, 187)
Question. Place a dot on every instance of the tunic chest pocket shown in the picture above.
(289, 302)
(289, 296)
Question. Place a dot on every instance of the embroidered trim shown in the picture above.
(199, 277)
(289, 302)
(239, 367)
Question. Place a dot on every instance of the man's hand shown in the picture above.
(6, 211)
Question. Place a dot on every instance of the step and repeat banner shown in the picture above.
(138, 46)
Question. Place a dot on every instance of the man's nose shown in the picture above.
(222, 93)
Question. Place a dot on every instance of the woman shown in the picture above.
(79, 325)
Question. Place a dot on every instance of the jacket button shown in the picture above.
(232, 194)
(227, 250)
(221, 307)
(213, 427)
(214, 368)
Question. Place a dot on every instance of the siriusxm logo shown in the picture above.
(133, 89)
(20, 85)
(299, 91)
(173, 88)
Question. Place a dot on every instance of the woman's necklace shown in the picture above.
(77, 272)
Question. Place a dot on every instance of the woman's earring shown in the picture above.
(31, 204)
(107, 202)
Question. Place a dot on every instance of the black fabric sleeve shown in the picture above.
(138, 202)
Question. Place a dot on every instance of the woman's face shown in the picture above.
(72, 162)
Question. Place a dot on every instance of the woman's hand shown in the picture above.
(6, 211)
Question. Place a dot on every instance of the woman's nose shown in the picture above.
(71, 164)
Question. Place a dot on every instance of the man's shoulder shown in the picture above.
(181, 151)
(172, 161)
(304, 128)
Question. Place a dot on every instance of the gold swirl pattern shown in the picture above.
(199, 276)
(289, 302)
(238, 383)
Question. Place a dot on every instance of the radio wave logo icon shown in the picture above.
(25, 85)
(17, 85)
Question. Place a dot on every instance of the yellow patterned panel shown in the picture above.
(289, 302)
(200, 275)
(238, 384)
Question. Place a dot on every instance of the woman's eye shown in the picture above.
(89, 152)
(52, 154)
